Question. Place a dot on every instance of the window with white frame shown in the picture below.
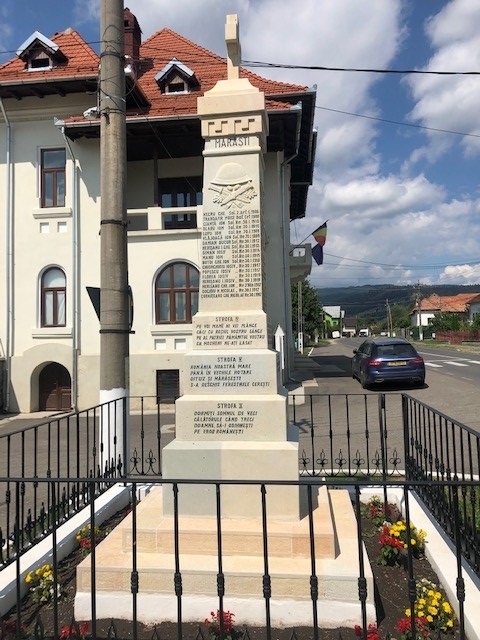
(52, 181)
(176, 293)
(53, 286)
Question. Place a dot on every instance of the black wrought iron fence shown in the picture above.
(440, 449)
(358, 435)
(72, 445)
(58, 617)
(371, 436)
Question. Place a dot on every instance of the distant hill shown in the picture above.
(371, 300)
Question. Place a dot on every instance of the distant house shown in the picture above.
(333, 317)
(465, 305)
(349, 327)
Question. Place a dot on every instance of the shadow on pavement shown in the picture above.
(333, 366)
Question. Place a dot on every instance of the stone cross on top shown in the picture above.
(233, 47)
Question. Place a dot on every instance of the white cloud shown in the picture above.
(377, 197)
(463, 274)
(86, 10)
(450, 102)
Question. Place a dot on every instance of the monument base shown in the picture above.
(203, 460)
(243, 564)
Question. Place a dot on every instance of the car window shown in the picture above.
(405, 350)
(385, 350)
(367, 348)
(394, 350)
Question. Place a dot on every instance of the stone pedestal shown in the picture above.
(243, 565)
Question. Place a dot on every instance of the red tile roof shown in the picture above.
(81, 61)
(155, 53)
(453, 304)
(163, 46)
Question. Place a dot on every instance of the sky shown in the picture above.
(398, 154)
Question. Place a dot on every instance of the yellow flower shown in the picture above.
(408, 613)
(430, 618)
(413, 542)
(446, 607)
(28, 577)
(430, 593)
(422, 601)
(449, 623)
(438, 595)
(433, 610)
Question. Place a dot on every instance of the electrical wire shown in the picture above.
(254, 63)
(397, 122)
(405, 266)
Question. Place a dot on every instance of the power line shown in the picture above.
(269, 65)
(273, 65)
(404, 124)
(404, 266)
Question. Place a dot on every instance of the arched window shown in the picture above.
(176, 293)
(53, 295)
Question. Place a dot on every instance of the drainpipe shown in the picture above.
(75, 270)
(286, 251)
(9, 257)
(286, 274)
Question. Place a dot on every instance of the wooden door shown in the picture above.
(55, 388)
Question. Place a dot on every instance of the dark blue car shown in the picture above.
(380, 360)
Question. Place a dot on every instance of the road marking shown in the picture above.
(457, 364)
(474, 361)
(432, 364)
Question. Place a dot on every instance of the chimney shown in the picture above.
(133, 36)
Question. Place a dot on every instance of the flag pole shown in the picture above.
(306, 237)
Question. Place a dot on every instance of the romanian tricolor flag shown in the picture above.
(320, 236)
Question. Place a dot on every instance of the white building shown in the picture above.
(50, 211)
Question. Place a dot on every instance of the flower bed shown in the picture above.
(390, 598)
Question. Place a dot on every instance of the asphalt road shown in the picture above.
(452, 380)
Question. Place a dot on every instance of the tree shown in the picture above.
(312, 311)
(447, 322)
(400, 316)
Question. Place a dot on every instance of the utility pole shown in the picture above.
(418, 302)
(114, 296)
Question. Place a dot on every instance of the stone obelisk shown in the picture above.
(231, 421)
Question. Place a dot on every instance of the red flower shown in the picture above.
(387, 540)
(70, 631)
(372, 632)
(228, 620)
(421, 624)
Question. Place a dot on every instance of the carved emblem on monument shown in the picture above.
(233, 187)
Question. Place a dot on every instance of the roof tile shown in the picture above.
(155, 53)
(81, 61)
